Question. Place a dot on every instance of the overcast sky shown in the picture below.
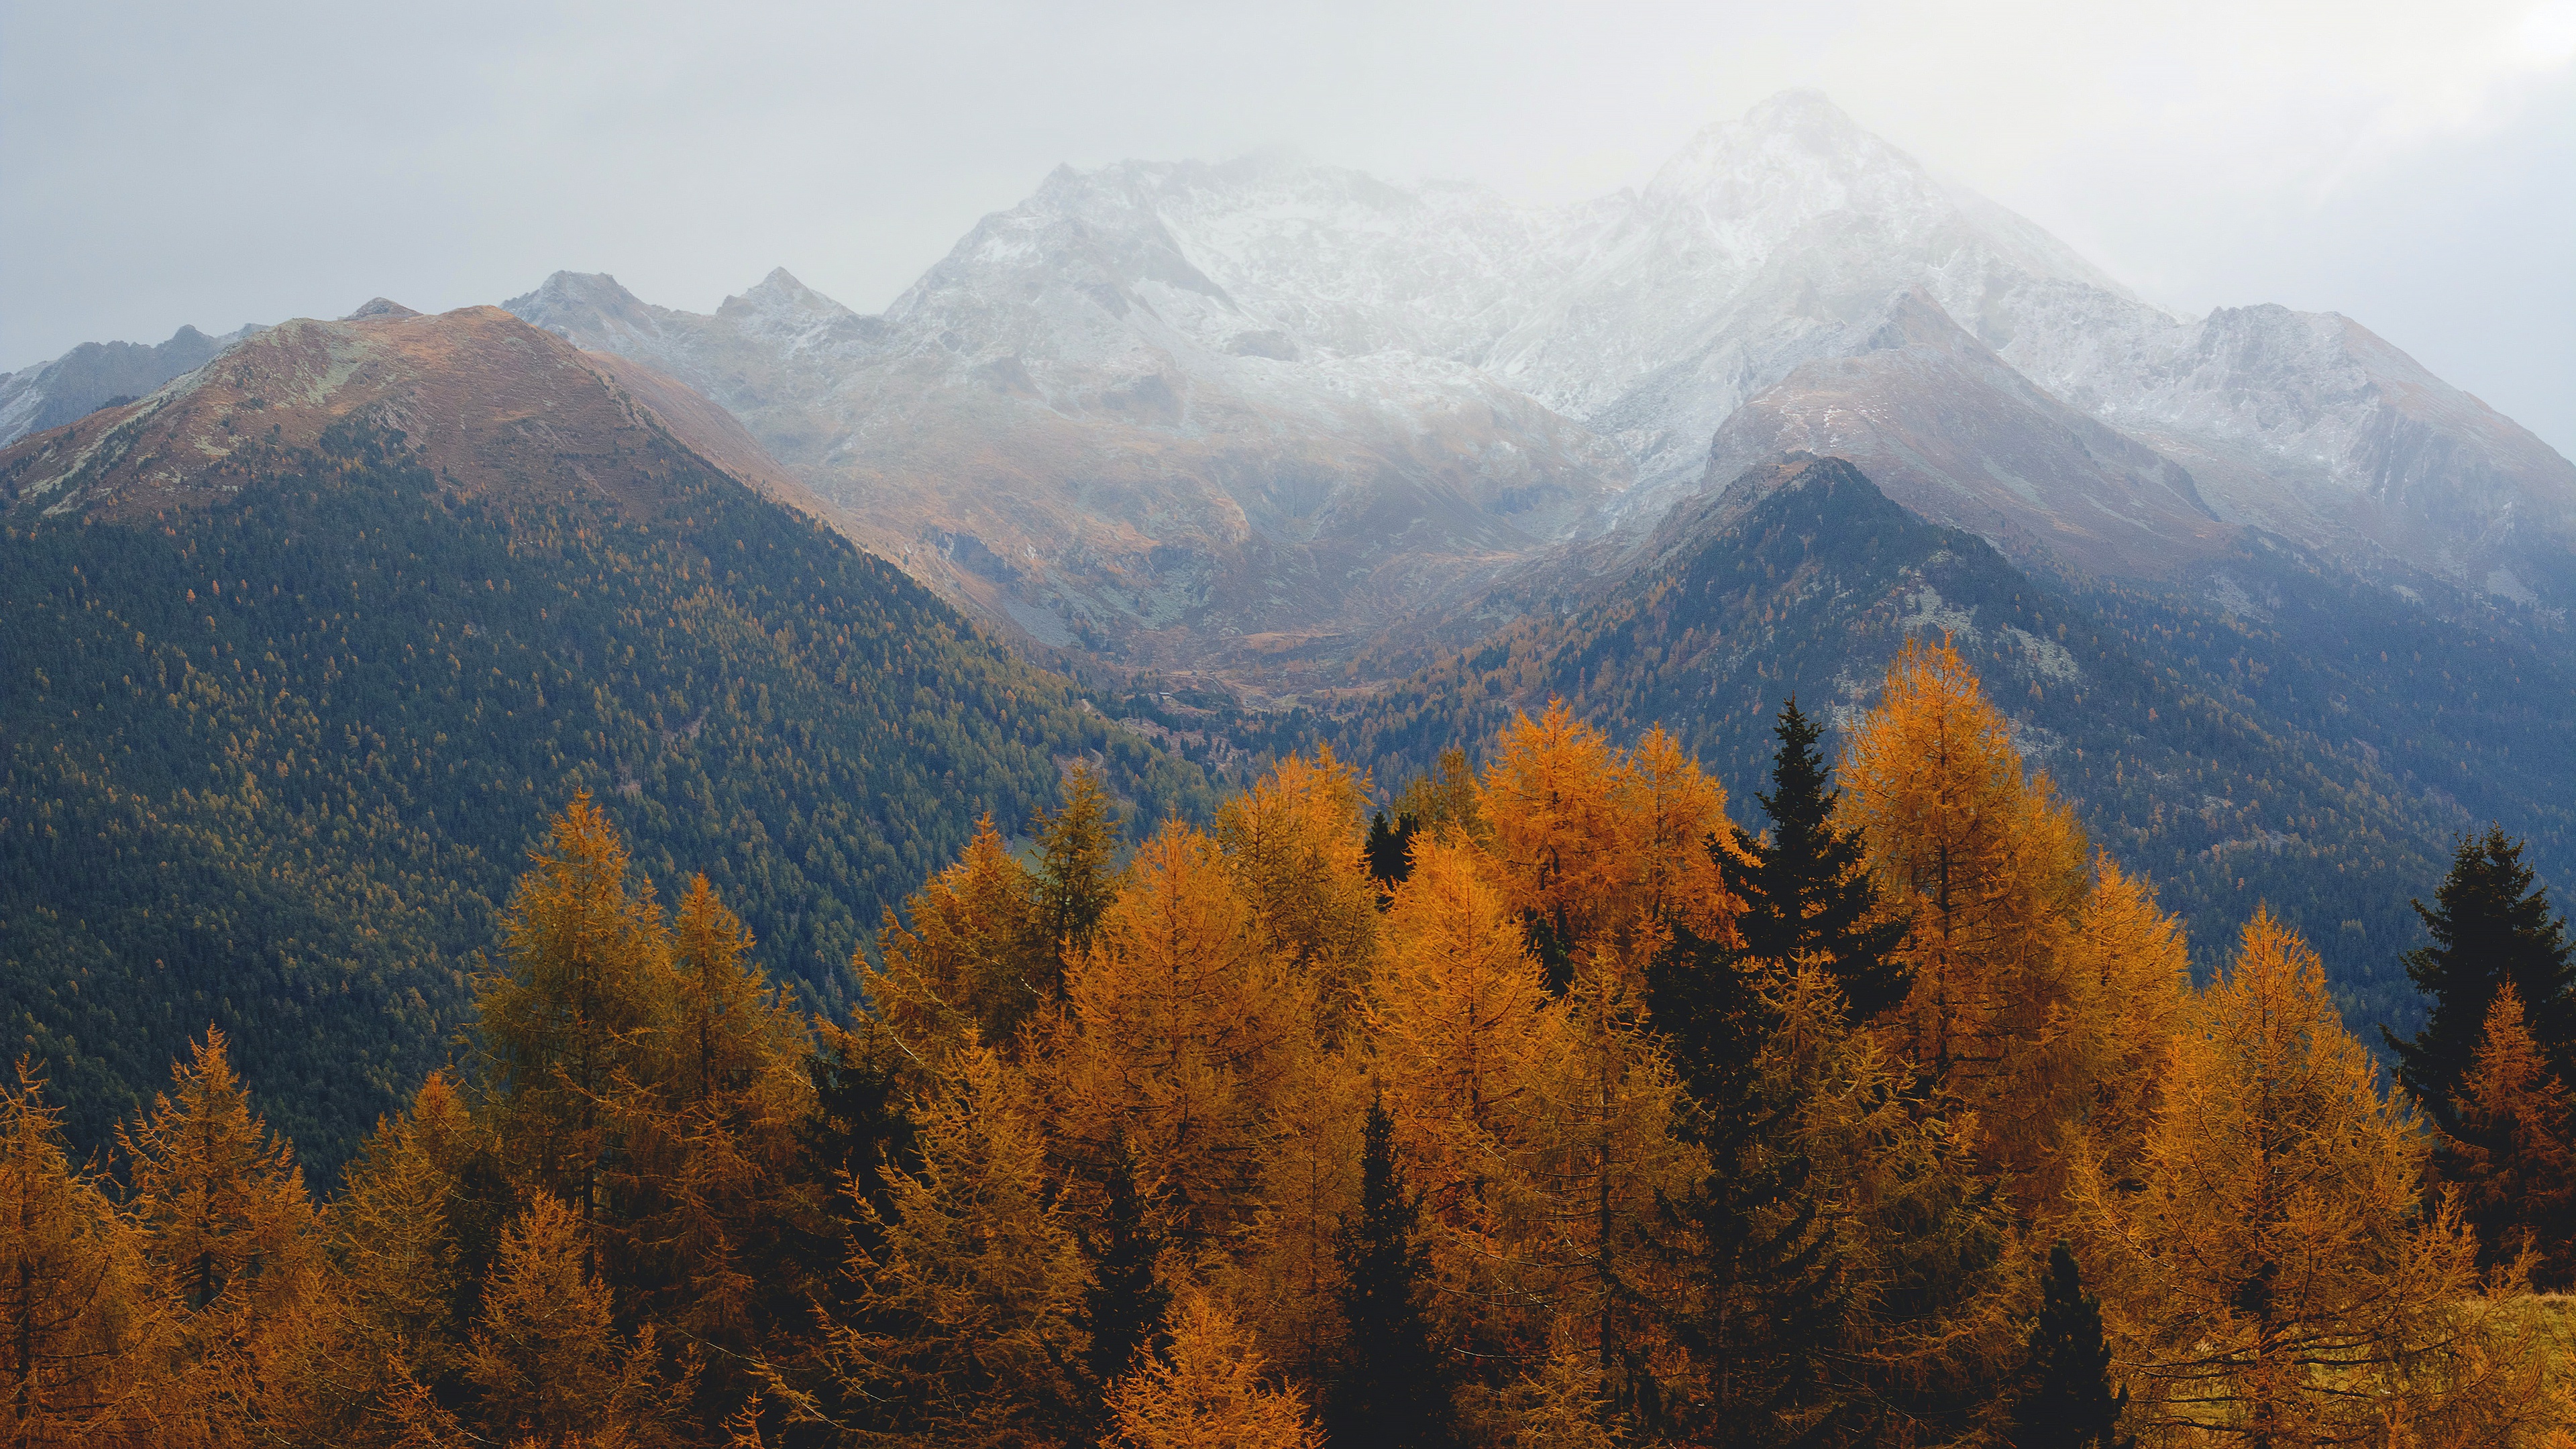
(2411, 165)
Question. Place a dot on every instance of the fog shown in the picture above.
(2408, 165)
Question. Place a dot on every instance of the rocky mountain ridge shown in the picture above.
(1194, 414)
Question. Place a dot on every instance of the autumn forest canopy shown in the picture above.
(1558, 1102)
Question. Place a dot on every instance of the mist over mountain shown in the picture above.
(1186, 414)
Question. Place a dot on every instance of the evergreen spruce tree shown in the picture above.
(1767, 1303)
(2490, 924)
(1078, 846)
(1393, 1388)
(1123, 1310)
(2066, 1399)
(1390, 847)
(1806, 890)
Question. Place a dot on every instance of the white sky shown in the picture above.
(2412, 165)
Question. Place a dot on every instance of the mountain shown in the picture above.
(305, 648)
(1191, 415)
(2212, 750)
(80, 381)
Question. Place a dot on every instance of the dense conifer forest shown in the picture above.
(272, 762)
(1570, 1102)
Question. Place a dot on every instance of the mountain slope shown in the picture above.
(279, 731)
(2203, 785)
(1950, 432)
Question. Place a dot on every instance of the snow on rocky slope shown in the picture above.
(1180, 411)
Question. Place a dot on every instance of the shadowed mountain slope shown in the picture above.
(2191, 743)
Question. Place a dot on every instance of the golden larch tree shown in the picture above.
(1292, 842)
(232, 1236)
(962, 1327)
(1990, 870)
(973, 954)
(84, 1331)
(1207, 1391)
(2514, 1157)
(546, 1361)
(2272, 1275)
(1183, 1026)
(569, 1027)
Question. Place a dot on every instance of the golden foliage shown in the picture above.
(2272, 1276)
(964, 961)
(962, 1326)
(83, 1335)
(1206, 1392)
(1183, 1027)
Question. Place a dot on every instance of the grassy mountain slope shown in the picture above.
(272, 752)
(2209, 786)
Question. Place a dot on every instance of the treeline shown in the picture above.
(1551, 1107)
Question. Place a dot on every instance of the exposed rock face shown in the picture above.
(1176, 412)
(1952, 432)
(491, 403)
(75, 384)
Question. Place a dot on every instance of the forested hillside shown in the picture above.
(2235, 759)
(272, 759)
(1587, 1118)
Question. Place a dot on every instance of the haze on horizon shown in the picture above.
(2405, 165)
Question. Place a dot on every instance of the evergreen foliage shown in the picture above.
(1389, 847)
(1278, 1141)
(2491, 926)
(2066, 1400)
(273, 764)
(1804, 888)
(1123, 1309)
(1391, 1390)
(1078, 852)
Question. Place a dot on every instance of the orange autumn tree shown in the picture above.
(2514, 1157)
(1989, 869)
(1182, 1024)
(568, 1028)
(232, 1238)
(2276, 1276)
(967, 955)
(1469, 1049)
(1207, 1391)
(707, 1182)
(84, 1335)
(1292, 842)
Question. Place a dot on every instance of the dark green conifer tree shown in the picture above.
(1392, 1388)
(1390, 848)
(1807, 890)
(1123, 1309)
(1768, 1305)
(2490, 924)
(860, 1132)
(2066, 1399)
(1078, 848)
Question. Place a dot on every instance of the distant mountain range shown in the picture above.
(1187, 414)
